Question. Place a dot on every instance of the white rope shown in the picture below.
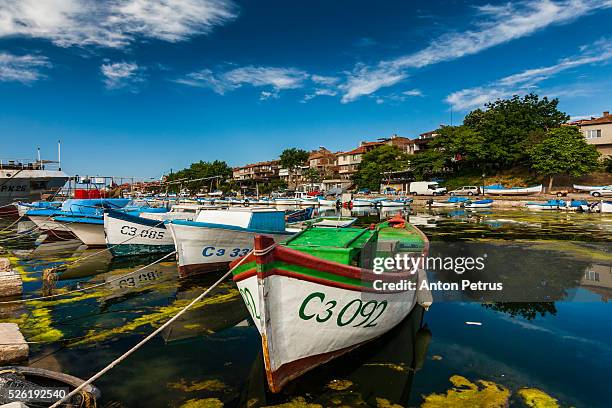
(146, 339)
(262, 252)
(89, 287)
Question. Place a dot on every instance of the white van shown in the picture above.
(426, 188)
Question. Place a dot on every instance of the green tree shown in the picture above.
(509, 127)
(292, 159)
(215, 174)
(428, 163)
(273, 185)
(374, 164)
(607, 164)
(313, 175)
(460, 146)
(564, 151)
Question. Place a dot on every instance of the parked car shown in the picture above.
(466, 190)
(364, 191)
(426, 188)
(603, 192)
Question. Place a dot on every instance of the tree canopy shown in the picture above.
(564, 151)
(386, 158)
(200, 170)
(291, 159)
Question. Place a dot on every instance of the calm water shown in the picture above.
(556, 339)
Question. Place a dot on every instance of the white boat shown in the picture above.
(605, 207)
(309, 201)
(549, 205)
(334, 222)
(452, 202)
(90, 230)
(27, 181)
(216, 238)
(308, 290)
(362, 202)
(127, 234)
(498, 189)
(394, 203)
(324, 202)
(479, 204)
(286, 201)
(587, 188)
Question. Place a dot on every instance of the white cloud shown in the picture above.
(114, 23)
(277, 79)
(319, 92)
(413, 92)
(529, 80)
(494, 25)
(363, 81)
(324, 80)
(22, 68)
(119, 75)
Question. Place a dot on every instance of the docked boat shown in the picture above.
(286, 201)
(362, 202)
(395, 203)
(89, 228)
(303, 214)
(605, 207)
(450, 202)
(23, 208)
(587, 188)
(28, 181)
(488, 203)
(312, 288)
(334, 222)
(215, 238)
(498, 189)
(325, 202)
(548, 205)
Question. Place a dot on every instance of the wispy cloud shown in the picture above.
(119, 75)
(529, 80)
(494, 25)
(22, 68)
(413, 92)
(274, 78)
(114, 23)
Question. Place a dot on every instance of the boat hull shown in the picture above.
(203, 249)
(361, 203)
(46, 223)
(128, 235)
(91, 235)
(292, 295)
(28, 185)
(514, 191)
(605, 207)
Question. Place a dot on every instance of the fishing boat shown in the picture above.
(488, 203)
(215, 238)
(498, 189)
(587, 188)
(312, 288)
(450, 202)
(333, 222)
(23, 208)
(299, 215)
(395, 203)
(28, 181)
(325, 202)
(548, 205)
(43, 217)
(286, 201)
(128, 234)
(361, 202)
(89, 228)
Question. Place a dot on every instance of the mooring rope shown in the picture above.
(146, 339)
(88, 287)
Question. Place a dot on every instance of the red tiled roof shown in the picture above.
(606, 118)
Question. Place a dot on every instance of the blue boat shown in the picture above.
(487, 203)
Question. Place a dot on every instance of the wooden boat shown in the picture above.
(312, 289)
(334, 222)
(587, 188)
(498, 189)
(217, 237)
(479, 204)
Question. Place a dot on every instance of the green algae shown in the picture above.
(205, 385)
(385, 403)
(203, 403)
(298, 402)
(391, 366)
(465, 393)
(534, 398)
(156, 318)
(37, 326)
(339, 385)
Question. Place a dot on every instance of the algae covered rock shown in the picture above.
(532, 397)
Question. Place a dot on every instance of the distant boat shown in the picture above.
(587, 188)
(488, 203)
(362, 202)
(324, 202)
(23, 208)
(498, 189)
(548, 205)
(605, 207)
(303, 214)
(450, 202)
(395, 203)
(309, 289)
(334, 222)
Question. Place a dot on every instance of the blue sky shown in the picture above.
(136, 87)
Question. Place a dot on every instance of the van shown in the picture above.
(426, 188)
